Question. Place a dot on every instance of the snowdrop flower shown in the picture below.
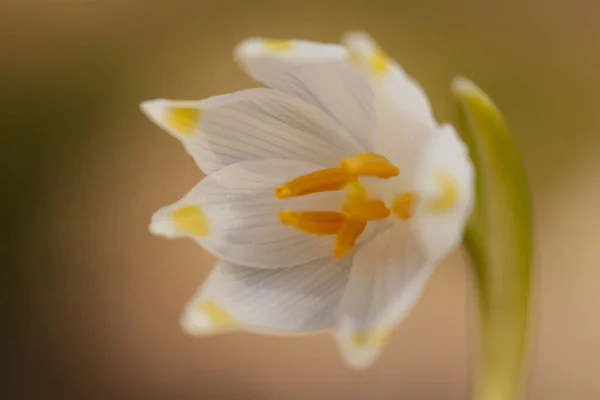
(330, 195)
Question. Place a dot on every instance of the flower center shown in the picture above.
(358, 209)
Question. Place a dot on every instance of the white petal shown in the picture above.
(317, 73)
(404, 116)
(252, 124)
(298, 299)
(387, 77)
(234, 214)
(388, 274)
(445, 183)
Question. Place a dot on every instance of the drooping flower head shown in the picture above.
(330, 195)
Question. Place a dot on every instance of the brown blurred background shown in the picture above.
(92, 301)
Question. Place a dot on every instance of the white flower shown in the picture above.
(330, 195)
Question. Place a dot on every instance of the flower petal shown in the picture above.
(252, 124)
(234, 214)
(298, 299)
(404, 116)
(444, 180)
(388, 274)
(387, 77)
(319, 74)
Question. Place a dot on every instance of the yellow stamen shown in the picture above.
(370, 164)
(367, 210)
(404, 205)
(325, 180)
(448, 195)
(314, 222)
(347, 235)
(355, 191)
(356, 212)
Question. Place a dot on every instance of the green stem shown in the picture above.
(499, 238)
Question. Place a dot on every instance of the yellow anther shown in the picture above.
(190, 219)
(183, 119)
(347, 235)
(367, 210)
(314, 222)
(370, 164)
(404, 205)
(325, 180)
(448, 192)
(356, 212)
(355, 191)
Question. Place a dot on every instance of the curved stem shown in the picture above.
(499, 238)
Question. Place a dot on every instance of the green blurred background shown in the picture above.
(92, 301)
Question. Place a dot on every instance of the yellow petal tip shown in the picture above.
(448, 193)
(278, 45)
(184, 120)
(190, 220)
(216, 314)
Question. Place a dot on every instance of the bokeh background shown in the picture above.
(91, 301)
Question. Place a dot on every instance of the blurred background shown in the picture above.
(91, 301)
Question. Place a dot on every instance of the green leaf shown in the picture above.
(499, 239)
